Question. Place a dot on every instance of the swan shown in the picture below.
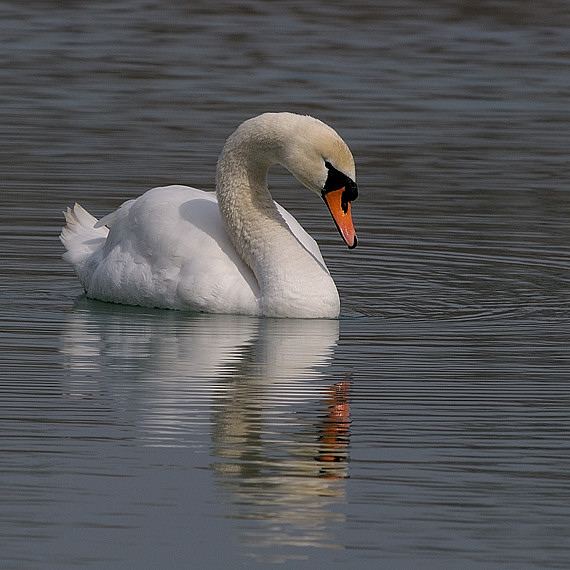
(232, 251)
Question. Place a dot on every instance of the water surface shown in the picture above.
(427, 427)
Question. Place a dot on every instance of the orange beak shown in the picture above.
(340, 211)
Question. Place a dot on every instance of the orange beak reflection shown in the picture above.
(340, 211)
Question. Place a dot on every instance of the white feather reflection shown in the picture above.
(252, 393)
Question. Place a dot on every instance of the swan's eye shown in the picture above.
(337, 180)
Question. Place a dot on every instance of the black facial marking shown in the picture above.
(336, 180)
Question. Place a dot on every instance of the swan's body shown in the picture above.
(235, 251)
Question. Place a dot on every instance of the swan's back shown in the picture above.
(166, 249)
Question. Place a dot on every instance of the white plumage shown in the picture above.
(235, 251)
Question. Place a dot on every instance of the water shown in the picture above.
(427, 427)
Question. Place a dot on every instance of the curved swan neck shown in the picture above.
(246, 206)
(281, 264)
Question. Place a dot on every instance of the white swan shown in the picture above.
(235, 251)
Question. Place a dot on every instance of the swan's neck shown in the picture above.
(290, 278)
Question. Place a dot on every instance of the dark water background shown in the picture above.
(428, 427)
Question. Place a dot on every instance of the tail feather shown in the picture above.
(80, 236)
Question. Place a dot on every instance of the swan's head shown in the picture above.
(315, 154)
(318, 157)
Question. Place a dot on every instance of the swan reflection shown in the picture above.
(252, 393)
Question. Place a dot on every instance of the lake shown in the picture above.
(427, 427)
